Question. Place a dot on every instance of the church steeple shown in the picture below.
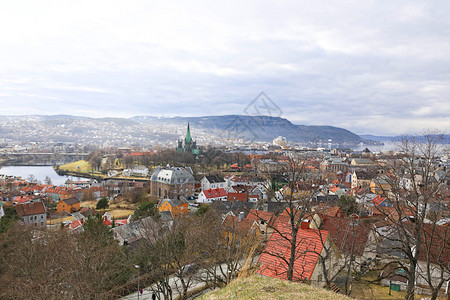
(188, 138)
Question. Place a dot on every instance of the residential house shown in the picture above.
(300, 191)
(177, 207)
(381, 185)
(309, 249)
(33, 214)
(236, 228)
(130, 234)
(242, 197)
(210, 195)
(264, 219)
(361, 179)
(69, 205)
(213, 182)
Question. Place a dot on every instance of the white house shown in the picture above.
(213, 182)
(208, 196)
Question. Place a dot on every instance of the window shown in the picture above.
(319, 278)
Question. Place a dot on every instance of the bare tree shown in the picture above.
(413, 189)
(298, 208)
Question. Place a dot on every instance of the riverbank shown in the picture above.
(84, 169)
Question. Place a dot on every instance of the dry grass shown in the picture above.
(77, 166)
(119, 210)
(59, 220)
(258, 287)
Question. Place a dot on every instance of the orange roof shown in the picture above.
(310, 244)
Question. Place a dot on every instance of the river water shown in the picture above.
(40, 172)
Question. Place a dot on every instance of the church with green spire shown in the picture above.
(189, 144)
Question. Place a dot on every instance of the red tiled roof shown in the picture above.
(309, 245)
(232, 224)
(347, 236)
(255, 215)
(75, 224)
(215, 193)
(329, 211)
(436, 246)
(237, 197)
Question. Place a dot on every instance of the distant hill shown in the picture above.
(263, 128)
(145, 130)
(390, 139)
(258, 287)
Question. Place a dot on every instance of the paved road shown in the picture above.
(173, 282)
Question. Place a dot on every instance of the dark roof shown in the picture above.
(362, 175)
(71, 201)
(327, 198)
(173, 202)
(166, 215)
(214, 178)
(29, 209)
(236, 206)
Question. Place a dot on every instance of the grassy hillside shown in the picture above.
(258, 287)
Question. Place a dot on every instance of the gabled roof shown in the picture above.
(29, 209)
(172, 202)
(329, 211)
(256, 215)
(362, 175)
(237, 197)
(214, 178)
(307, 253)
(348, 236)
(232, 224)
(71, 201)
(215, 193)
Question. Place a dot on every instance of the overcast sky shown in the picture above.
(378, 67)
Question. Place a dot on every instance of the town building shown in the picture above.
(33, 214)
(172, 182)
(213, 182)
(68, 205)
(177, 207)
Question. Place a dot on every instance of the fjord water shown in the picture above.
(40, 172)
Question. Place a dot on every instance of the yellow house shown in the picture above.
(176, 207)
(285, 191)
(380, 185)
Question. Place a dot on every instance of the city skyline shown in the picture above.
(369, 67)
